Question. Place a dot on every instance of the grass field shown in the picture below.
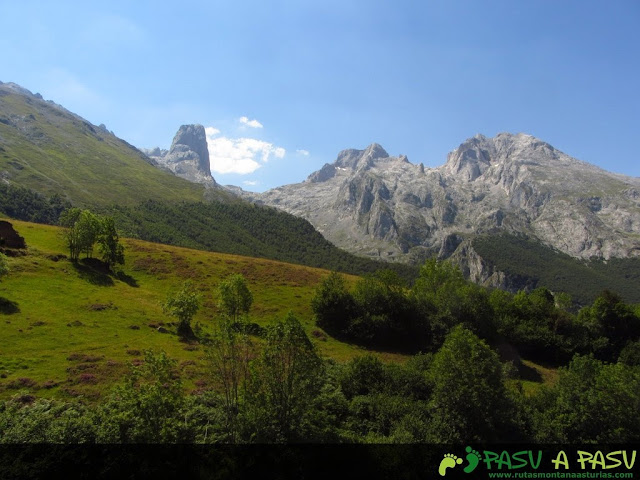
(71, 330)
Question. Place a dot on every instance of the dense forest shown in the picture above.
(24, 204)
(463, 382)
(531, 264)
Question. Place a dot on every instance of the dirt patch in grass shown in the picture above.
(22, 382)
(87, 378)
(84, 358)
(26, 398)
(48, 384)
(151, 265)
(182, 268)
(98, 307)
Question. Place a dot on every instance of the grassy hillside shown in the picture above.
(71, 331)
(50, 150)
(538, 265)
(244, 229)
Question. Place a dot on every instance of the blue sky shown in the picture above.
(283, 86)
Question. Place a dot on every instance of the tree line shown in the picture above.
(382, 312)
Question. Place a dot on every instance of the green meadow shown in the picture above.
(72, 330)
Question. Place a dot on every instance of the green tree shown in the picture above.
(362, 376)
(229, 356)
(109, 246)
(592, 402)
(469, 401)
(287, 378)
(147, 407)
(235, 296)
(607, 326)
(445, 298)
(436, 275)
(183, 305)
(333, 305)
(81, 231)
(630, 354)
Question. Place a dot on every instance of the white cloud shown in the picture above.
(304, 153)
(250, 123)
(251, 183)
(239, 155)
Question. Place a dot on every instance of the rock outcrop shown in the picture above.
(9, 238)
(188, 156)
(374, 204)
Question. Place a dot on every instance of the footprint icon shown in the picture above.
(473, 457)
(449, 461)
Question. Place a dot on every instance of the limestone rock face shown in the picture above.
(377, 205)
(188, 156)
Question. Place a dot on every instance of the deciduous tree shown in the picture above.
(183, 304)
(235, 296)
(109, 246)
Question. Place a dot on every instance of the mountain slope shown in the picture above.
(50, 157)
(48, 149)
(380, 206)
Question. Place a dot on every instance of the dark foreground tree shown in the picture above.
(288, 377)
(469, 401)
(147, 407)
(592, 402)
(229, 356)
(333, 305)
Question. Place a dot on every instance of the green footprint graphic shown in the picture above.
(449, 461)
(473, 457)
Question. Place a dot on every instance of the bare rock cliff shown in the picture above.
(383, 206)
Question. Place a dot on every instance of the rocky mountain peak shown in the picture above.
(374, 151)
(350, 159)
(353, 158)
(471, 159)
(188, 156)
(191, 139)
(475, 155)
